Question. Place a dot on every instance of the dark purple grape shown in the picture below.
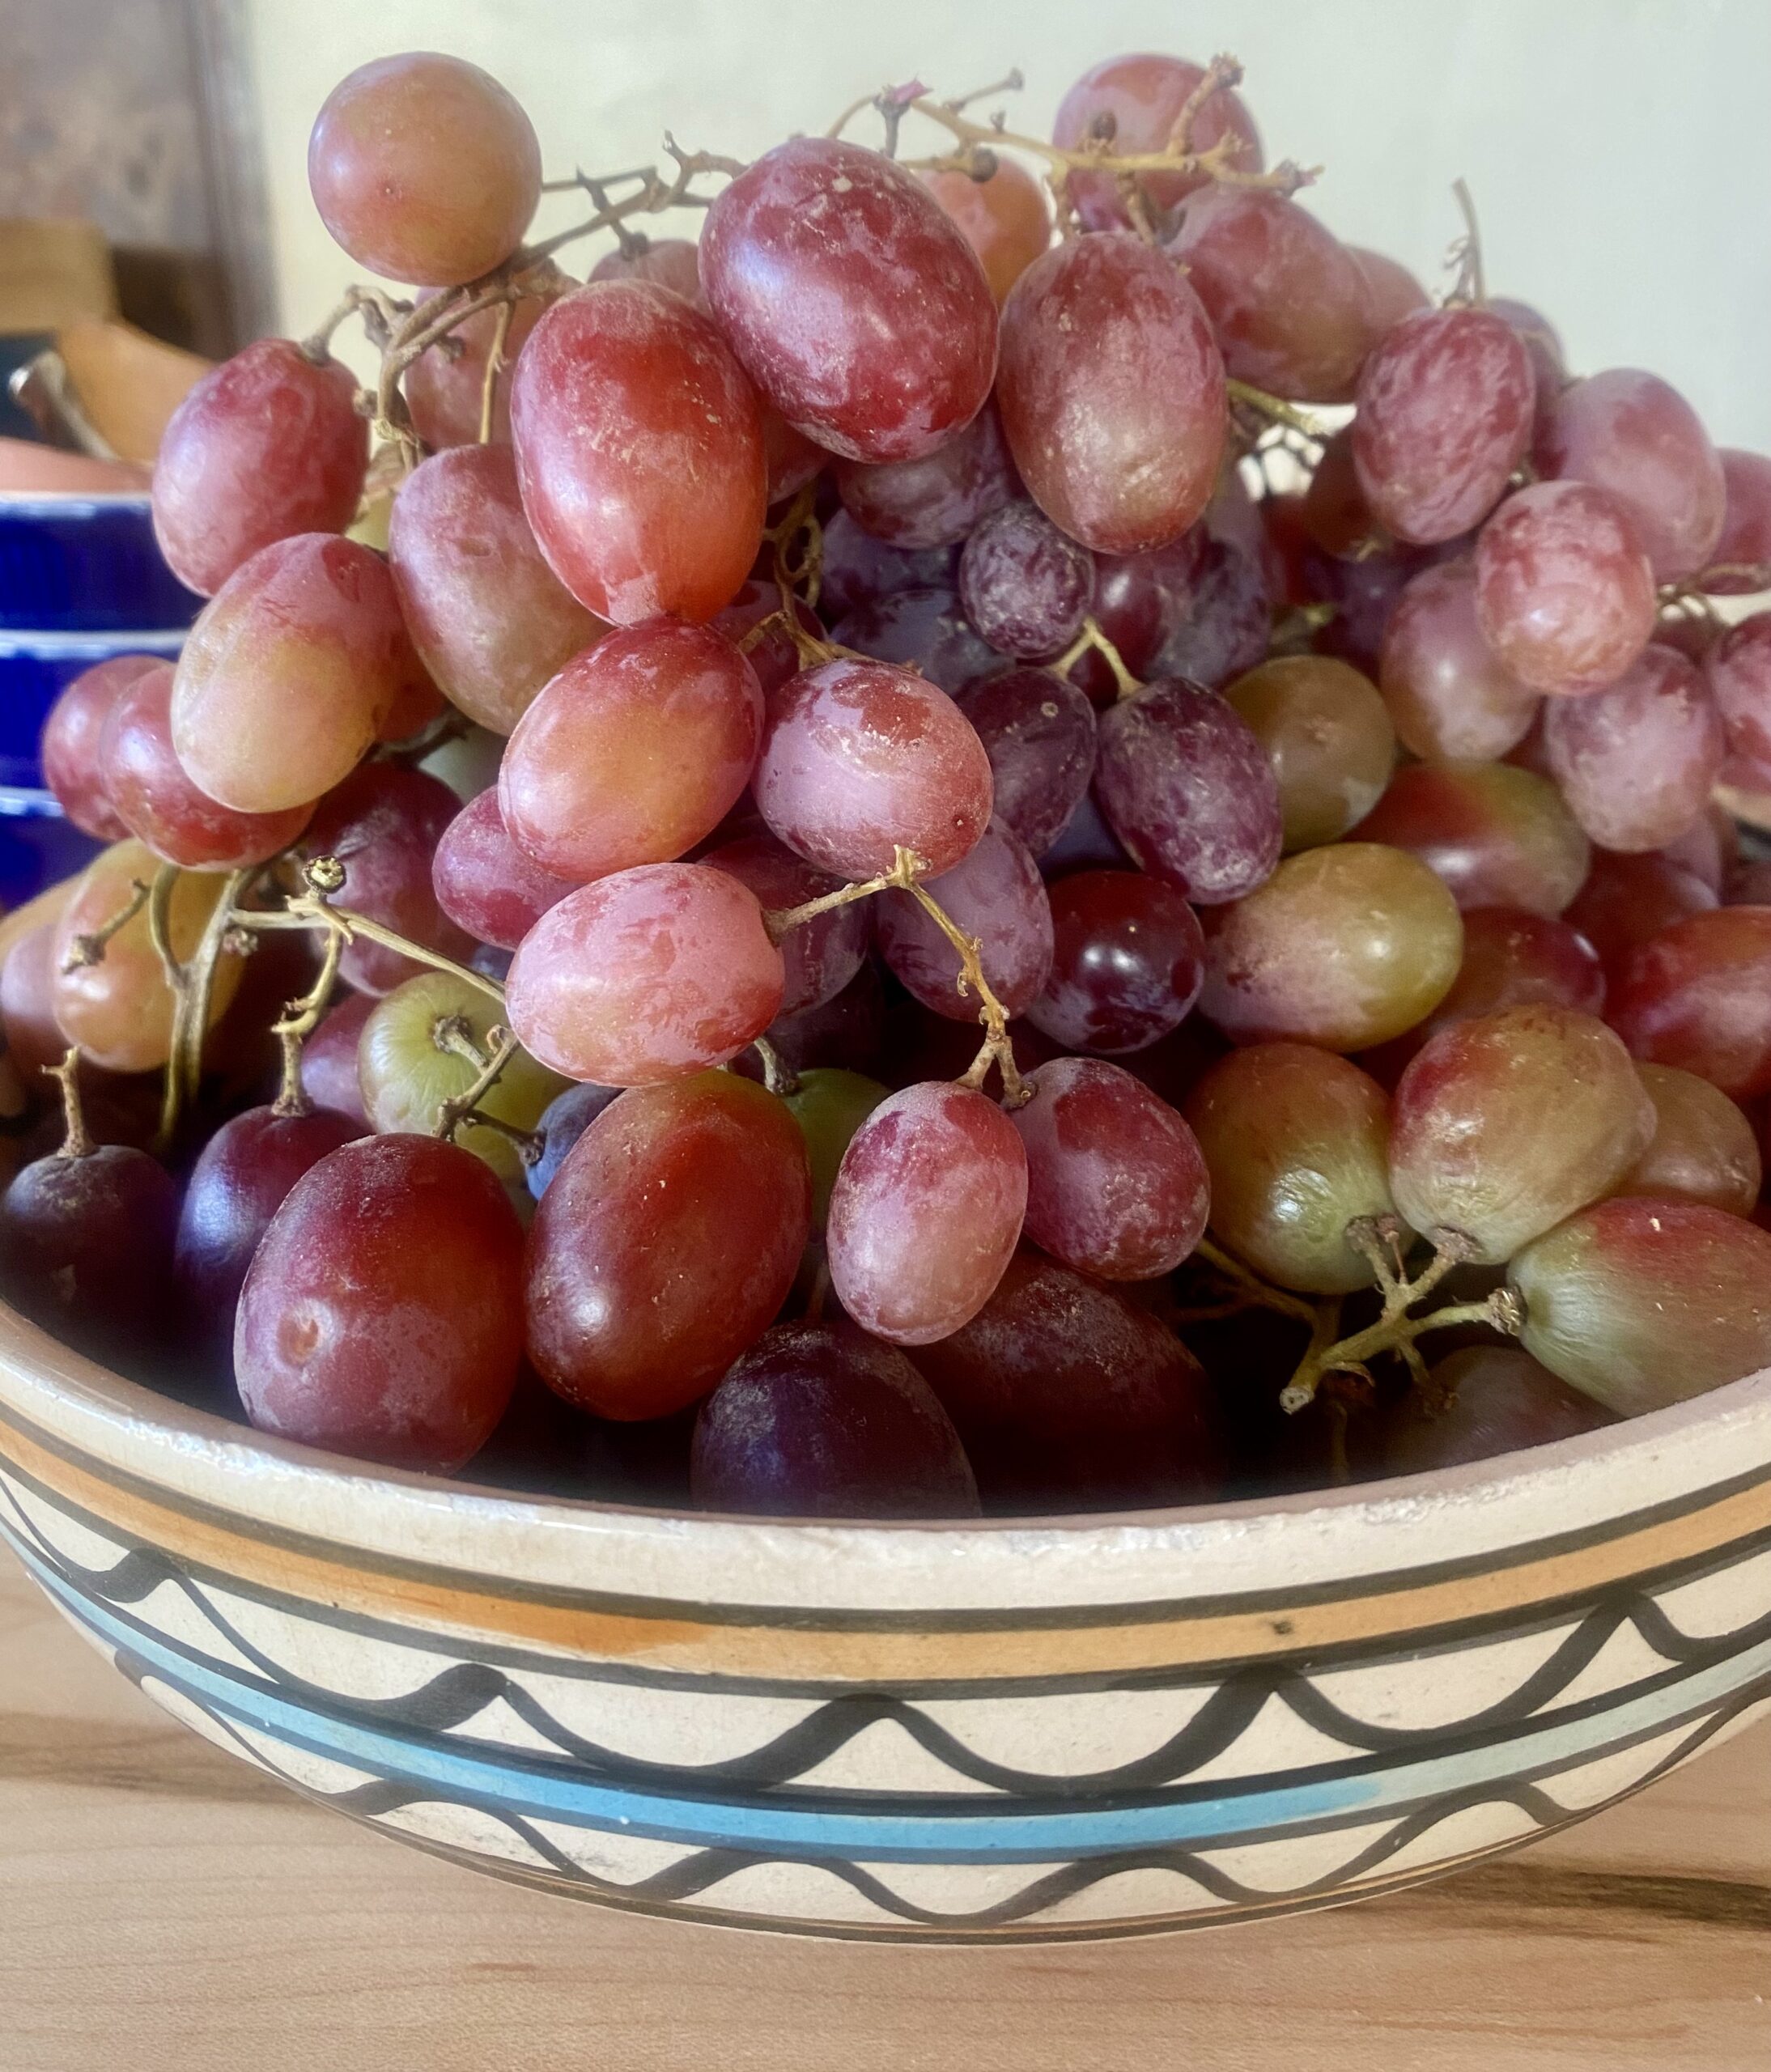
(1085, 843)
(935, 500)
(923, 627)
(565, 1119)
(1188, 789)
(1026, 587)
(86, 1247)
(238, 1183)
(1128, 958)
(849, 1031)
(1038, 731)
(1069, 1397)
(820, 1420)
(1224, 622)
(328, 1058)
(1501, 1400)
(859, 570)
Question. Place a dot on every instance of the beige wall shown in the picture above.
(1619, 150)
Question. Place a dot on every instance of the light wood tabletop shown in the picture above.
(161, 1906)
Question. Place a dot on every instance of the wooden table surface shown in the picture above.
(164, 1906)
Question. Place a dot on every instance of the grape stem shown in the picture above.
(1470, 288)
(1275, 408)
(1091, 640)
(313, 909)
(1380, 1240)
(89, 949)
(494, 366)
(192, 990)
(453, 1033)
(1217, 162)
(778, 1075)
(906, 874)
(381, 315)
(300, 1018)
(1250, 1292)
(76, 1142)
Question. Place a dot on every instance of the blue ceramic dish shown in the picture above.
(89, 563)
(39, 845)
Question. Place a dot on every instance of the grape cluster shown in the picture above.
(868, 871)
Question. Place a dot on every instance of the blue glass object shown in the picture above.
(38, 845)
(86, 562)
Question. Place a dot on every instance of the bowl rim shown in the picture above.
(37, 1371)
(41, 504)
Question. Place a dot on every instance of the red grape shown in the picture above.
(383, 824)
(925, 629)
(1116, 1182)
(711, 1171)
(1188, 789)
(634, 752)
(623, 370)
(148, 786)
(424, 168)
(1445, 416)
(1626, 900)
(1745, 544)
(1637, 762)
(1738, 669)
(239, 1181)
(445, 386)
(289, 673)
(119, 1010)
(70, 748)
(830, 1105)
(667, 263)
(1497, 835)
(820, 955)
(1136, 102)
(86, 1247)
(819, 1420)
(382, 1314)
(1633, 435)
(1025, 586)
(1069, 1396)
(1503, 1125)
(484, 882)
(860, 758)
(1344, 946)
(1364, 594)
(1539, 337)
(1449, 697)
(1039, 732)
(994, 894)
(1708, 850)
(926, 1211)
(267, 444)
(1703, 1147)
(1510, 959)
(1328, 737)
(859, 570)
(1500, 1401)
(1112, 392)
(1004, 218)
(1289, 302)
(934, 500)
(1335, 512)
(1127, 962)
(1142, 600)
(1564, 593)
(1698, 995)
(33, 1038)
(328, 1059)
(854, 302)
(1643, 1303)
(1395, 292)
(647, 975)
(488, 616)
(1295, 1142)
(848, 1031)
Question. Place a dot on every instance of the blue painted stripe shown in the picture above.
(1009, 1833)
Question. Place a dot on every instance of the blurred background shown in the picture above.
(1616, 149)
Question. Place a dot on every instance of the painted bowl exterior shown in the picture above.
(1055, 1731)
(85, 563)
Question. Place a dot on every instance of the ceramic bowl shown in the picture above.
(1052, 1730)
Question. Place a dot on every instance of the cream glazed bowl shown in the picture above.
(1048, 1729)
